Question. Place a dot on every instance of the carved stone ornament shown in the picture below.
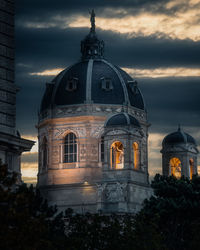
(176, 148)
(59, 111)
(96, 131)
(116, 132)
(98, 109)
(119, 110)
(116, 192)
(58, 132)
(111, 193)
(100, 191)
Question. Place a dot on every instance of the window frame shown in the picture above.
(44, 153)
(106, 84)
(72, 84)
(70, 148)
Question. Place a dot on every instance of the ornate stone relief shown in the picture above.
(180, 148)
(118, 110)
(138, 114)
(82, 152)
(55, 154)
(58, 132)
(116, 132)
(116, 192)
(100, 191)
(96, 131)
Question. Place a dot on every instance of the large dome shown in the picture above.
(90, 76)
(92, 80)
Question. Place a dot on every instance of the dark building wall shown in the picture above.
(7, 85)
(11, 144)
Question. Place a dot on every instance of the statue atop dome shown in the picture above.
(92, 20)
(91, 46)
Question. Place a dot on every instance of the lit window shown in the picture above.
(72, 84)
(117, 155)
(106, 84)
(175, 166)
(136, 155)
(70, 148)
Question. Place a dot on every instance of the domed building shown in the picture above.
(179, 155)
(93, 134)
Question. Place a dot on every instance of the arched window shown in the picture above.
(136, 155)
(117, 155)
(191, 167)
(102, 149)
(44, 153)
(70, 148)
(175, 166)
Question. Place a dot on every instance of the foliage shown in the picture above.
(169, 220)
(174, 212)
(27, 222)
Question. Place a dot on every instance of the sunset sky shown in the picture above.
(156, 41)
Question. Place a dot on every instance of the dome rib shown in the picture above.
(121, 80)
(89, 81)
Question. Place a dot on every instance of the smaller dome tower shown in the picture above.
(179, 154)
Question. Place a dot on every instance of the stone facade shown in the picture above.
(11, 145)
(89, 184)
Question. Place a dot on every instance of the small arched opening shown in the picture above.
(102, 149)
(136, 155)
(175, 167)
(44, 153)
(117, 155)
(191, 162)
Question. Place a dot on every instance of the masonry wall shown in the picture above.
(7, 85)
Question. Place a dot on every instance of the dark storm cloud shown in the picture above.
(172, 101)
(28, 102)
(49, 48)
(33, 157)
(36, 7)
(169, 101)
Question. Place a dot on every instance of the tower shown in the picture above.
(179, 154)
(86, 112)
(11, 144)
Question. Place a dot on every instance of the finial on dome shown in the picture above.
(179, 127)
(91, 46)
(92, 20)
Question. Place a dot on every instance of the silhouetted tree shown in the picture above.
(169, 220)
(171, 214)
(27, 222)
